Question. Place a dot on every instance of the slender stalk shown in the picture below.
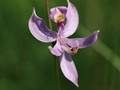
(57, 73)
(47, 8)
(55, 61)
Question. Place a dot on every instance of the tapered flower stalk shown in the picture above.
(55, 61)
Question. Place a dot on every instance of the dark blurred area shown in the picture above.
(27, 64)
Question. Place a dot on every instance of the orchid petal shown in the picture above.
(83, 42)
(72, 20)
(55, 10)
(39, 29)
(56, 50)
(68, 68)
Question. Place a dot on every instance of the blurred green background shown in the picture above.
(27, 64)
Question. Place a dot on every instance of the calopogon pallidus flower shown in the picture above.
(67, 20)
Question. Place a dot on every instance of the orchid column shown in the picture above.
(67, 20)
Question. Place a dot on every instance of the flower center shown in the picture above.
(74, 49)
(59, 17)
(70, 49)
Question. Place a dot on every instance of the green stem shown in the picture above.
(57, 73)
(55, 61)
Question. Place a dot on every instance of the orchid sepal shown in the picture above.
(39, 29)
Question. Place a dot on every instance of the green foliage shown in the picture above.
(27, 64)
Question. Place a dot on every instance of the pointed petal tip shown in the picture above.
(39, 30)
(77, 85)
(98, 31)
(34, 12)
(68, 1)
(49, 47)
(33, 8)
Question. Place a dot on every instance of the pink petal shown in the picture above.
(83, 42)
(39, 29)
(68, 68)
(72, 20)
(56, 50)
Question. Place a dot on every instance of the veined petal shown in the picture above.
(68, 68)
(39, 29)
(83, 42)
(56, 50)
(72, 20)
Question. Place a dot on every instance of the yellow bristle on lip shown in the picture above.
(59, 17)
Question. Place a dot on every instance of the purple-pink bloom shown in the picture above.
(67, 21)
